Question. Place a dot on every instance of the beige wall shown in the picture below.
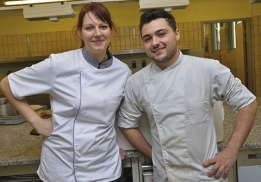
(256, 51)
(225, 55)
(127, 14)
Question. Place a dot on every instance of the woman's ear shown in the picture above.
(79, 34)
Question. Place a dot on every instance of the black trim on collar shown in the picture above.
(94, 63)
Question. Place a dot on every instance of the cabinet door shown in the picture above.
(232, 175)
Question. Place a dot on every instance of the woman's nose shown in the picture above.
(97, 32)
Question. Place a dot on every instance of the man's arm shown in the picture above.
(137, 140)
(226, 158)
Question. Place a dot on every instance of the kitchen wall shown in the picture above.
(256, 51)
(20, 38)
(225, 55)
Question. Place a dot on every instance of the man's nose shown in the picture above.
(155, 41)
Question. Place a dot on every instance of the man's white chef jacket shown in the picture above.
(179, 104)
(82, 146)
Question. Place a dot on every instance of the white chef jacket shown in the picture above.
(82, 146)
(179, 104)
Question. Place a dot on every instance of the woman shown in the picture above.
(85, 87)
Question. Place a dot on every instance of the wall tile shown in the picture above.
(40, 48)
(9, 39)
(191, 29)
(44, 37)
(69, 35)
(63, 35)
(53, 36)
(48, 36)
(4, 39)
(127, 31)
(122, 42)
(68, 45)
(49, 47)
(64, 46)
(33, 38)
(39, 37)
(58, 36)
(255, 30)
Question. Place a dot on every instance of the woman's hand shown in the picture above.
(44, 126)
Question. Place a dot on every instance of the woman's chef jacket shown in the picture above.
(82, 146)
(179, 104)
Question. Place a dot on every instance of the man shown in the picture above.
(177, 93)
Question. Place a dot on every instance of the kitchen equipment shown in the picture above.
(9, 115)
(3, 100)
(147, 173)
(219, 120)
(7, 110)
(249, 165)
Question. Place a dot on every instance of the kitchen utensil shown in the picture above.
(7, 110)
(34, 132)
(3, 100)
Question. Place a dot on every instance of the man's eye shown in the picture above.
(162, 34)
(146, 39)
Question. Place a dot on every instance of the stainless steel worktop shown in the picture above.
(18, 147)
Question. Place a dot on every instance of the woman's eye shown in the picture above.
(103, 27)
(89, 28)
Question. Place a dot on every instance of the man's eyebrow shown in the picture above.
(154, 32)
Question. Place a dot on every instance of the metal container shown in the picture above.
(147, 173)
(7, 110)
(3, 100)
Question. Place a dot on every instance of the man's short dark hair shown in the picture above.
(154, 14)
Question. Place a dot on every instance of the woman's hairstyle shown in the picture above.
(99, 11)
(154, 14)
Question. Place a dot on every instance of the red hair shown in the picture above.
(99, 11)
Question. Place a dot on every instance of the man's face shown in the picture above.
(160, 42)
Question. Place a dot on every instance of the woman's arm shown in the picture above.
(42, 126)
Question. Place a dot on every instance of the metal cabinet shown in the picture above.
(134, 168)
(232, 177)
(249, 165)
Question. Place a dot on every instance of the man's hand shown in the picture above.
(221, 163)
(122, 154)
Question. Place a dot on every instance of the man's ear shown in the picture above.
(177, 33)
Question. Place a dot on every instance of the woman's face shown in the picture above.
(96, 35)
